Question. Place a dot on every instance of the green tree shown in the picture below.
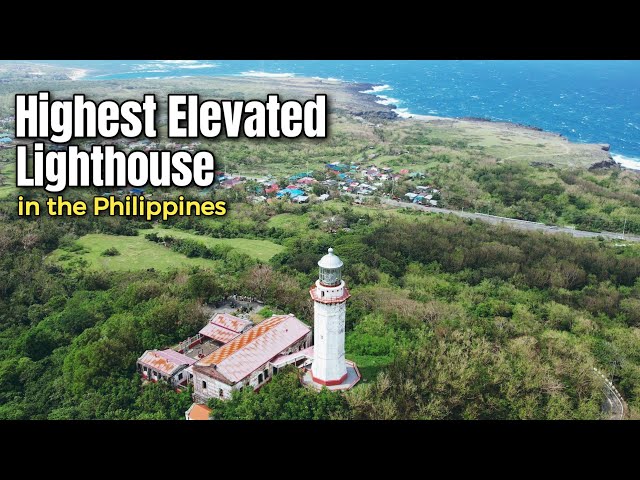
(283, 398)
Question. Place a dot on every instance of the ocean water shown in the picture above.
(586, 101)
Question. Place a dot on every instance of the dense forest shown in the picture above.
(449, 319)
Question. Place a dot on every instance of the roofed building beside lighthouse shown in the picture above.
(246, 360)
(167, 365)
(231, 353)
(223, 327)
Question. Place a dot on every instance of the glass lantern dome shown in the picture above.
(330, 269)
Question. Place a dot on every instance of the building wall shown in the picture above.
(150, 373)
(255, 380)
(328, 326)
(154, 375)
(176, 380)
(213, 389)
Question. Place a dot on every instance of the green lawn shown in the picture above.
(261, 250)
(369, 365)
(136, 253)
(288, 221)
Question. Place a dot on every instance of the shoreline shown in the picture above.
(630, 163)
(374, 98)
(403, 113)
(77, 74)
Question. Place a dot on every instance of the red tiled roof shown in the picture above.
(165, 361)
(247, 352)
(223, 327)
(231, 322)
(218, 333)
(199, 412)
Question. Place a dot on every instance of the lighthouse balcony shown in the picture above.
(329, 295)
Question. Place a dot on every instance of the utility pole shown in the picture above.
(624, 226)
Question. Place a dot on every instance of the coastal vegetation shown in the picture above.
(448, 319)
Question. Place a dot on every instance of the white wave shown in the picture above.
(378, 88)
(145, 67)
(328, 79)
(384, 100)
(77, 73)
(168, 77)
(627, 162)
(170, 65)
(200, 65)
(403, 112)
(260, 74)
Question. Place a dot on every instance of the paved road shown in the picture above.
(520, 224)
(613, 407)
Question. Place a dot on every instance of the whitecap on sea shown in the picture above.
(377, 89)
(261, 74)
(627, 162)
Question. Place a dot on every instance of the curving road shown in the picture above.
(613, 407)
(513, 222)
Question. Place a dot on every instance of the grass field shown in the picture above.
(136, 253)
(507, 141)
(261, 250)
(369, 365)
(288, 222)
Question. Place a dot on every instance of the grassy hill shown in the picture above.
(138, 253)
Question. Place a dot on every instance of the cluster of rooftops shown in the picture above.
(228, 348)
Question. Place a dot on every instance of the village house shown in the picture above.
(291, 191)
(271, 187)
(230, 182)
(306, 181)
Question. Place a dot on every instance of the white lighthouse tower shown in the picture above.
(330, 297)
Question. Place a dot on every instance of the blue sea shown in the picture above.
(586, 101)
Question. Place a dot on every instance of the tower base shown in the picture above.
(348, 381)
(328, 383)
